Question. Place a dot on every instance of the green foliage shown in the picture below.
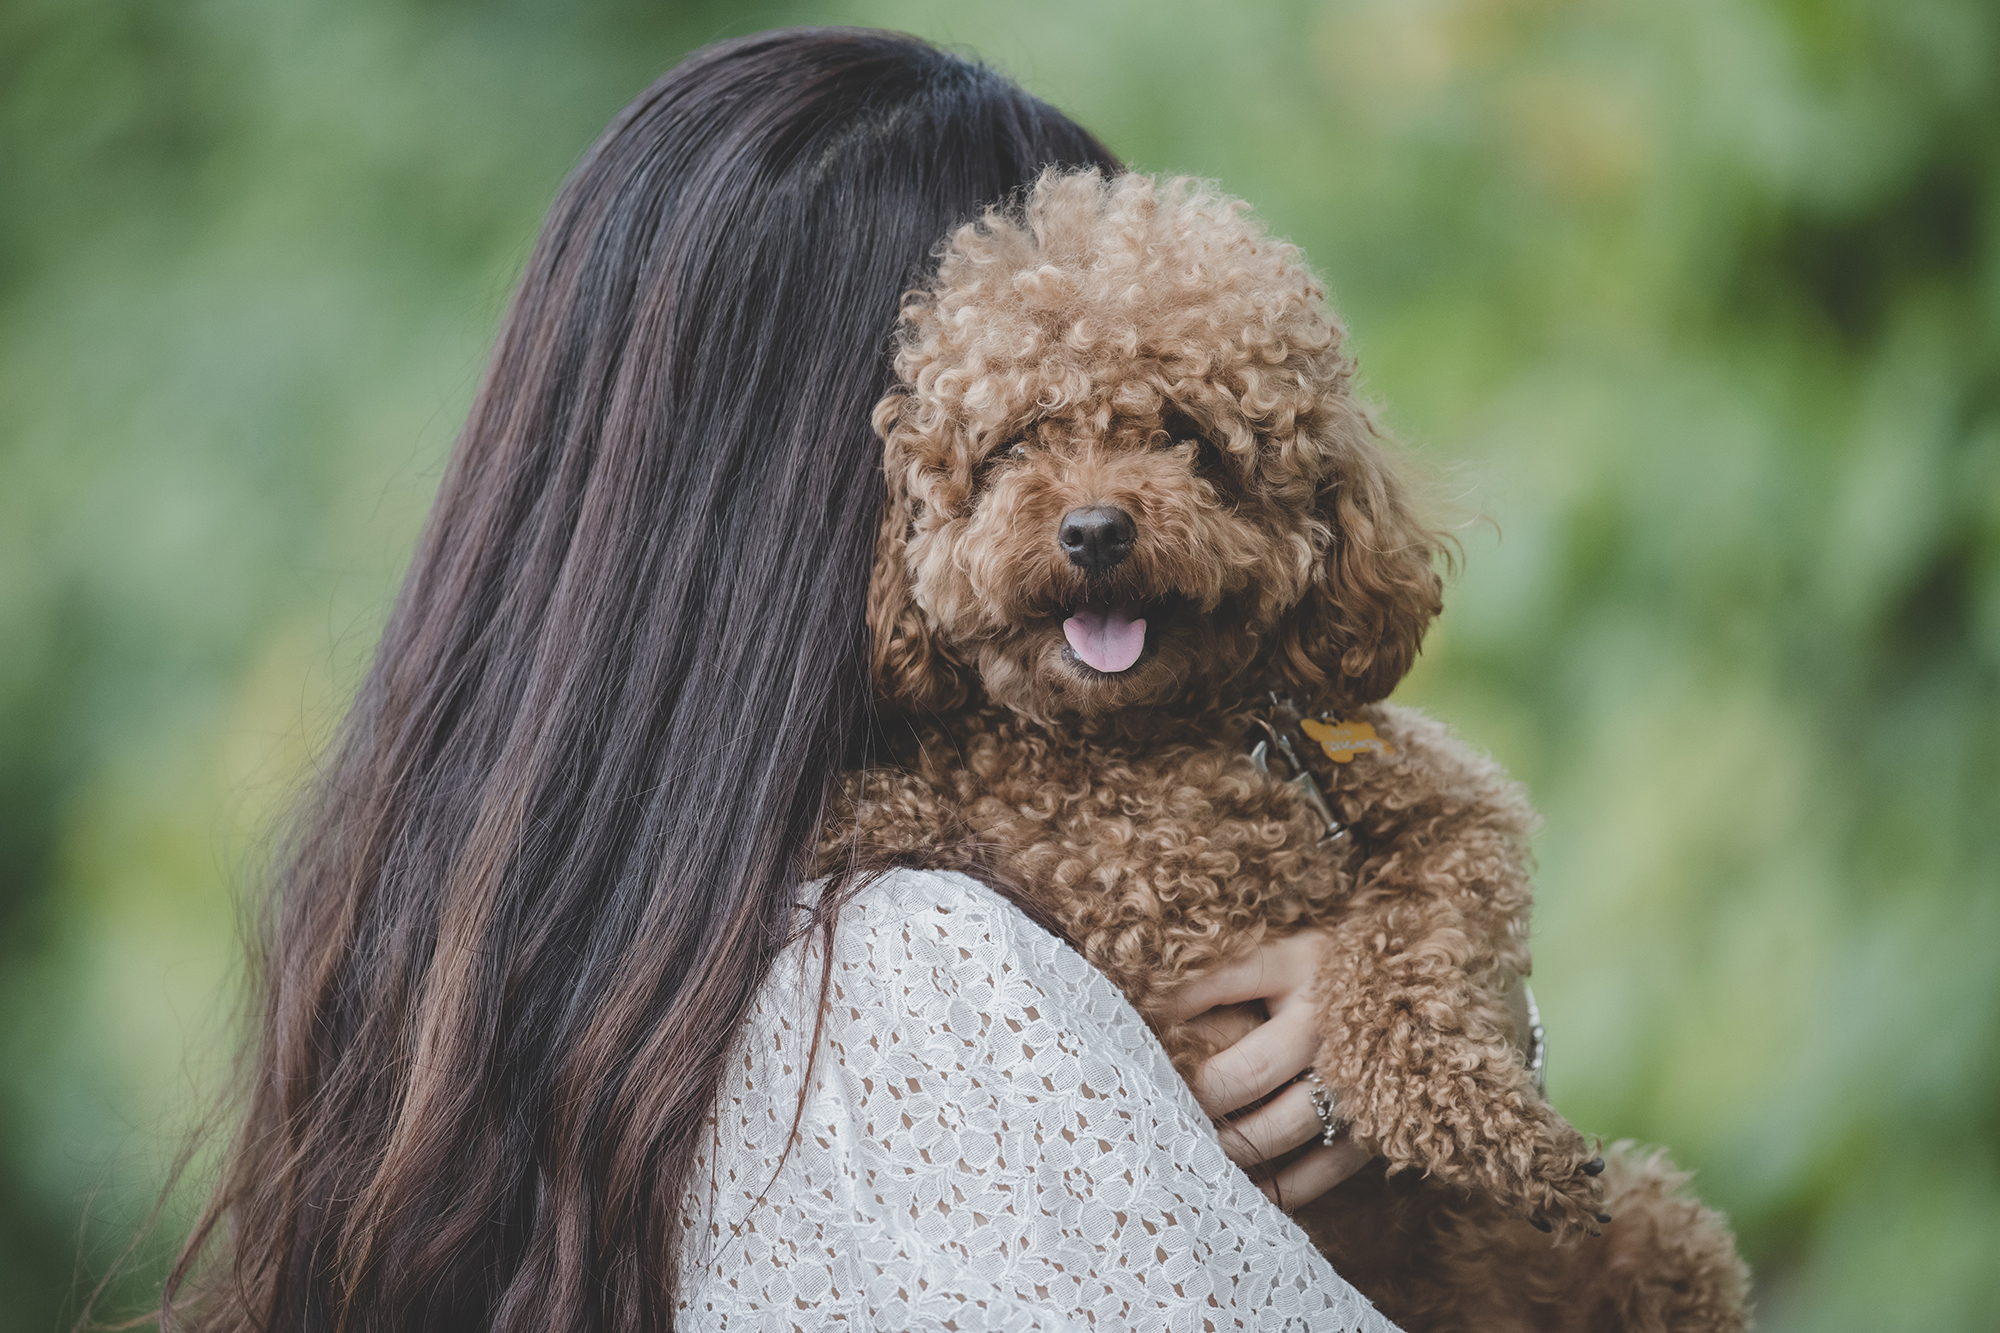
(1700, 303)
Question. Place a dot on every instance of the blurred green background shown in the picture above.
(1698, 301)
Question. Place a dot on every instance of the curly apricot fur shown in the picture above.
(1148, 346)
(1079, 328)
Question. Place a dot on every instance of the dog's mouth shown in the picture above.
(1110, 638)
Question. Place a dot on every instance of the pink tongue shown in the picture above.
(1107, 638)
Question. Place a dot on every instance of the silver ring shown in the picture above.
(1327, 1107)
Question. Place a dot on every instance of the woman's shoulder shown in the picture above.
(903, 888)
(935, 916)
(912, 936)
(974, 1130)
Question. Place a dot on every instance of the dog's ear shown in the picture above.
(912, 670)
(1375, 590)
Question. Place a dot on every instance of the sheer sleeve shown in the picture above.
(991, 1139)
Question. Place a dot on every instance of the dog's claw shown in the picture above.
(1594, 1167)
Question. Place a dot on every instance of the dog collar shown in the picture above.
(1272, 737)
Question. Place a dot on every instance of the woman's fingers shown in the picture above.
(1285, 1122)
(1248, 978)
(1265, 1060)
(1276, 967)
(1227, 1024)
(1314, 1172)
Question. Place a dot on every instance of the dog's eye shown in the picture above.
(1179, 429)
(1006, 453)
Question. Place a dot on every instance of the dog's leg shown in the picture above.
(1420, 1049)
(1419, 1039)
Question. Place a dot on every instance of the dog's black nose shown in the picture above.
(1096, 537)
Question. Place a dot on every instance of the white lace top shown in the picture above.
(992, 1139)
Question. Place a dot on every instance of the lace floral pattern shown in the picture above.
(992, 1139)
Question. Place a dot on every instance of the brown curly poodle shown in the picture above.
(1135, 511)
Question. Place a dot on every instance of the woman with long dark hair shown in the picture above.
(540, 891)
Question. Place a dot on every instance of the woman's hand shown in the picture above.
(1260, 1008)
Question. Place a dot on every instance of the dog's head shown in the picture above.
(1126, 467)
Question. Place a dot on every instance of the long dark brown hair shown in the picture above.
(556, 847)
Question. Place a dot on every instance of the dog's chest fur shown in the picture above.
(1157, 847)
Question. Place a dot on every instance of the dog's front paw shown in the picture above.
(1563, 1192)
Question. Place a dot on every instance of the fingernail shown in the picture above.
(1593, 1167)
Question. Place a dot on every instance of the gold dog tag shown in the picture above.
(1343, 740)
